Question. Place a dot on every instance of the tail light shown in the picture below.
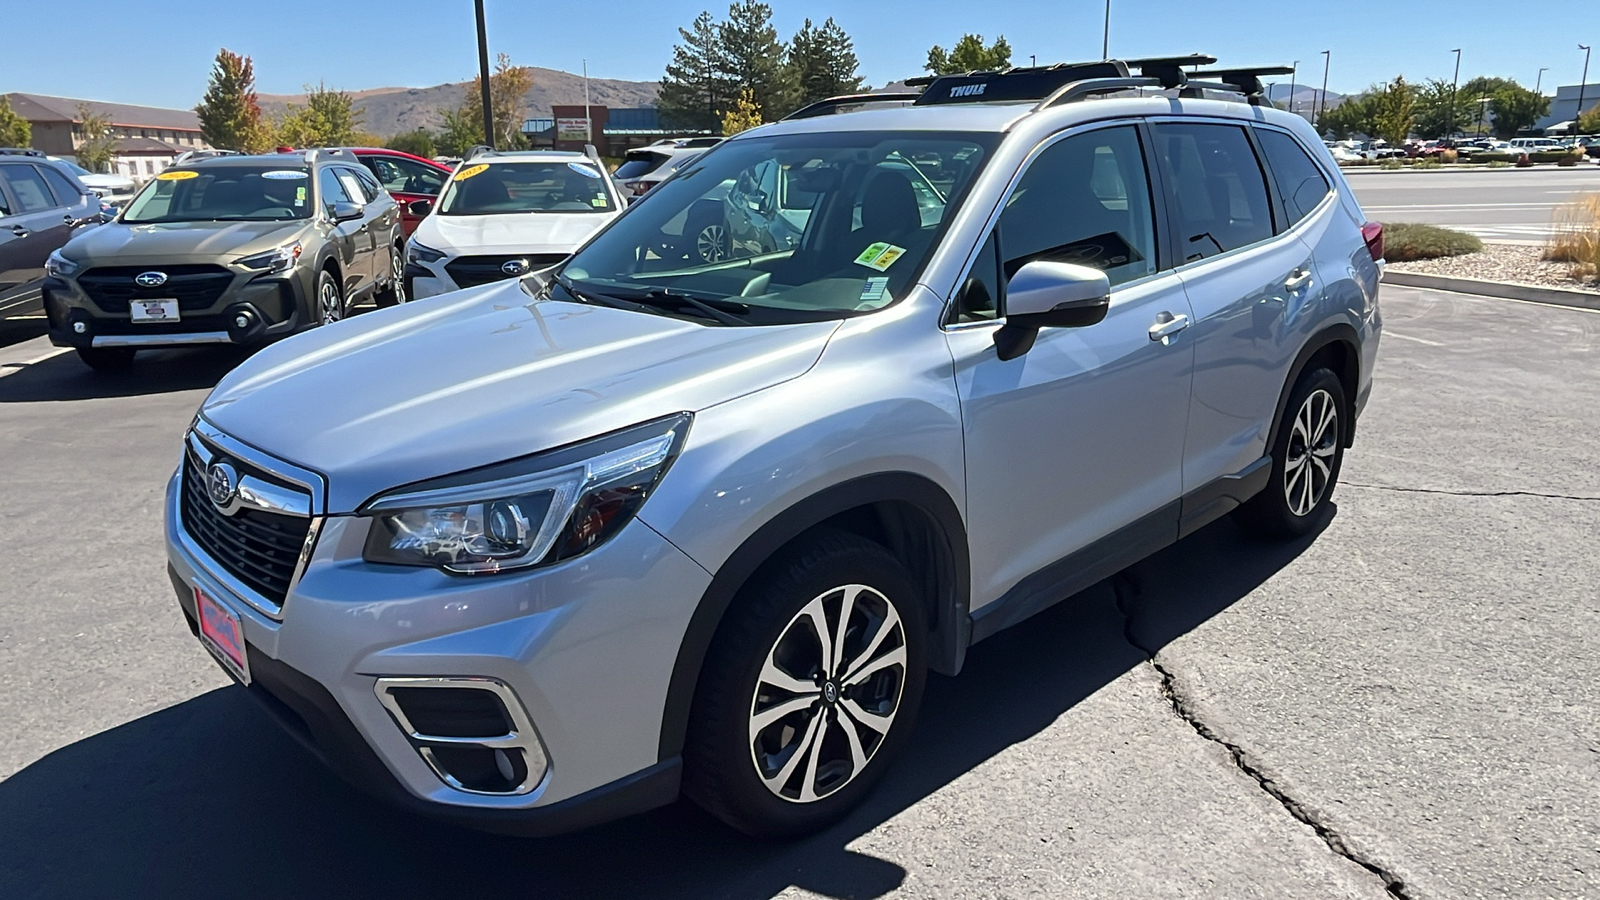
(638, 187)
(1372, 235)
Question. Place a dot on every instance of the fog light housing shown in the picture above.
(472, 732)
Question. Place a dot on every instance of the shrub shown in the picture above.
(1392, 164)
(1448, 155)
(1499, 164)
(1576, 238)
(1429, 163)
(1407, 241)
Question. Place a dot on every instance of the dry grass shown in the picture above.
(1576, 239)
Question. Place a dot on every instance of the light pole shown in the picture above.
(1450, 122)
(1033, 60)
(1483, 115)
(1581, 82)
(1105, 45)
(483, 76)
(1540, 79)
(1322, 100)
(1294, 69)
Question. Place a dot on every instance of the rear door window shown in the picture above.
(28, 186)
(1301, 183)
(66, 193)
(331, 189)
(1216, 190)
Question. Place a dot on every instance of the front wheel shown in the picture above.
(330, 299)
(810, 688)
(1307, 452)
(395, 292)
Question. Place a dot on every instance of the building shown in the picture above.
(148, 137)
(1564, 108)
(612, 131)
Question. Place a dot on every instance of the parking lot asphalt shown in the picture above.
(1503, 205)
(1400, 706)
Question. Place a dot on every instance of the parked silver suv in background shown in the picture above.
(639, 524)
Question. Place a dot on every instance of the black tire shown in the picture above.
(394, 292)
(107, 359)
(319, 306)
(1298, 496)
(769, 619)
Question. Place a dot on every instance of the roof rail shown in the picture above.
(833, 104)
(478, 150)
(1246, 81)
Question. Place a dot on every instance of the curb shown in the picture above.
(1505, 290)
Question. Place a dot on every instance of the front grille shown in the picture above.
(259, 548)
(195, 287)
(471, 271)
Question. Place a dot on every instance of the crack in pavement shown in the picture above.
(1126, 592)
(1412, 490)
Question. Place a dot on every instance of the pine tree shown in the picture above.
(694, 92)
(230, 116)
(969, 55)
(822, 62)
(753, 58)
(337, 114)
(14, 129)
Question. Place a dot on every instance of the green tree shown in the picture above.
(1356, 115)
(417, 143)
(507, 86)
(14, 129)
(1589, 121)
(1433, 104)
(95, 149)
(745, 114)
(230, 115)
(337, 113)
(1515, 108)
(970, 55)
(1393, 116)
(822, 62)
(694, 91)
(753, 59)
(459, 134)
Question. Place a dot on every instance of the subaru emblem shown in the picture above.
(515, 267)
(150, 279)
(222, 483)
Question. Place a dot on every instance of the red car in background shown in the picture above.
(405, 177)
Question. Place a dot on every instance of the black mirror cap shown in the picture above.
(1017, 335)
(344, 211)
(420, 207)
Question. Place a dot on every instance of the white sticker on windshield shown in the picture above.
(285, 175)
(299, 196)
(874, 288)
(585, 171)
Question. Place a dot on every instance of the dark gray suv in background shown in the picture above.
(228, 250)
(41, 208)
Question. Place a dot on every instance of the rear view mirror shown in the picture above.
(344, 211)
(419, 207)
(1045, 294)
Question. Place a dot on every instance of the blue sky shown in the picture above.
(167, 49)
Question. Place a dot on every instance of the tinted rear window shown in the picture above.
(639, 164)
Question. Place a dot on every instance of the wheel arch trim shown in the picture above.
(1338, 333)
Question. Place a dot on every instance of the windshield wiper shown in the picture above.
(584, 296)
(723, 312)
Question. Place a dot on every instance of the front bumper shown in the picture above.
(427, 280)
(587, 646)
(251, 311)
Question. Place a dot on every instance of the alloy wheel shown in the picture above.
(1308, 462)
(712, 243)
(330, 304)
(828, 693)
(397, 282)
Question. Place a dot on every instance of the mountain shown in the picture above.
(390, 110)
(1305, 97)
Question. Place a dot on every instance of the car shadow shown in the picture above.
(65, 377)
(209, 798)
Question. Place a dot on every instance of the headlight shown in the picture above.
(536, 510)
(417, 253)
(273, 260)
(59, 265)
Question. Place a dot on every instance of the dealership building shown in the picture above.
(1563, 114)
(612, 131)
(148, 137)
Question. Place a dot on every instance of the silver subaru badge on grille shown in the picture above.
(150, 279)
(515, 267)
(222, 483)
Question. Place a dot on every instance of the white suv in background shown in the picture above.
(504, 215)
(646, 167)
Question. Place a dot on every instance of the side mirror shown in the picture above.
(1047, 294)
(419, 207)
(344, 211)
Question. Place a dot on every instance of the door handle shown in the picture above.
(1168, 325)
(19, 231)
(1297, 279)
(69, 219)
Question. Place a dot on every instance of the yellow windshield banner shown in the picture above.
(179, 175)
(470, 171)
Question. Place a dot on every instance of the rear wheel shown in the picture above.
(395, 292)
(107, 359)
(809, 689)
(330, 299)
(1306, 455)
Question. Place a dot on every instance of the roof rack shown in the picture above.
(1054, 85)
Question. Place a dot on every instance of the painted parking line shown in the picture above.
(17, 357)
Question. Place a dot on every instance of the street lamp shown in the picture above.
(1322, 101)
(483, 76)
(1483, 115)
(1105, 45)
(1293, 70)
(1450, 124)
(1540, 79)
(1581, 82)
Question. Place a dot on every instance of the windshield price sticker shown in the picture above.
(874, 288)
(284, 175)
(880, 256)
(179, 175)
(470, 171)
(299, 196)
(585, 171)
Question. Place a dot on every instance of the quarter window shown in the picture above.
(1300, 182)
(331, 189)
(353, 186)
(66, 194)
(1217, 192)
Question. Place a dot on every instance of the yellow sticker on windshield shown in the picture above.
(598, 202)
(470, 171)
(880, 256)
(178, 175)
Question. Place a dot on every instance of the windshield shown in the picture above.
(71, 166)
(262, 193)
(786, 228)
(496, 188)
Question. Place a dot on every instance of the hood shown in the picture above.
(482, 376)
(510, 233)
(180, 241)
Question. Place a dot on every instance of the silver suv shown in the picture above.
(638, 524)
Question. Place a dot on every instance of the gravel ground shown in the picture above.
(1519, 263)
